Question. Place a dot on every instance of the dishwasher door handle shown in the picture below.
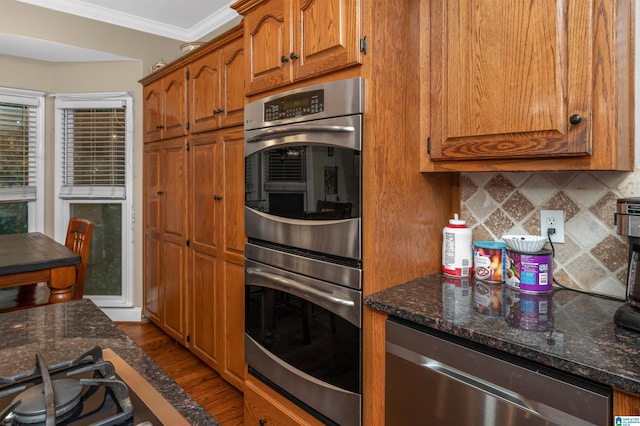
(460, 376)
(482, 385)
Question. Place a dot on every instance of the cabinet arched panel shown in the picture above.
(268, 42)
(233, 62)
(204, 80)
(175, 104)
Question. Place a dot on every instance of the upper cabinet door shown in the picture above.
(268, 41)
(327, 36)
(290, 40)
(174, 87)
(232, 62)
(153, 111)
(510, 79)
(535, 86)
(204, 87)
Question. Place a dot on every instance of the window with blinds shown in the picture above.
(286, 165)
(93, 149)
(18, 128)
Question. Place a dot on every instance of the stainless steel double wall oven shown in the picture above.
(303, 266)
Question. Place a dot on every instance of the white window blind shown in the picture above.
(18, 147)
(93, 149)
(287, 165)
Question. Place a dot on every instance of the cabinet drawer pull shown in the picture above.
(160, 192)
(575, 119)
(159, 126)
(217, 197)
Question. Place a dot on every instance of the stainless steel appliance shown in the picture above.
(627, 221)
(302, 168)
(91, 389)
(303, 273)
(433, 378)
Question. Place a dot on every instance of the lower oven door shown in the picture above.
(303, 337)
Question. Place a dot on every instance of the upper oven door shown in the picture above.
(303, 185)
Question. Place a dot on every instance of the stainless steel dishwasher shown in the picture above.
(433, 379)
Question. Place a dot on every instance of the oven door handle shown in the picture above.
(282, 283)
(296, 130)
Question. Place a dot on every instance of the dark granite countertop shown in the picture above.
(65, 331)
(579, 337)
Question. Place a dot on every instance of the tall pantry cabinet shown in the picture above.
(194, 200)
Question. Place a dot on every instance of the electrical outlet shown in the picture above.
(552, 219)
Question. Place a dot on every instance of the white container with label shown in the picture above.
(457, 251)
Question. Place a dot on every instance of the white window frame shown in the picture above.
(62, 205)
(35, 99)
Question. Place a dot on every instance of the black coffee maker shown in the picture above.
(627, 221)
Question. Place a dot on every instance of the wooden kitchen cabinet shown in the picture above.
(233, 240)
(625, 404)
(220, 92)
(527, 86)
(194, 204)
(152, 177)
(204, 263)
(165, 107)
(264, 406)
(165, 235)
(216, 307)
(291, 40)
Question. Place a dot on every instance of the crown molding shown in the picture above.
(138, 23)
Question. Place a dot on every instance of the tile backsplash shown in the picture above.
(593, 257)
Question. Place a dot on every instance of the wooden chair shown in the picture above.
(78, 239)
(79, 234)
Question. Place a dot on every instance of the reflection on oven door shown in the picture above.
(304, 335)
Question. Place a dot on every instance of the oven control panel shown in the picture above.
(294, 105)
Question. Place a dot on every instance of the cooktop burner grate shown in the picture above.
(82, 391)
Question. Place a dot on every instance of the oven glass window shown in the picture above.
(305, 335)
(304, 182)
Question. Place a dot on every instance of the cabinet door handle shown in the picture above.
(575, 119)
(159, 126)
(160, 192)
(217, 197)
(284, 59)
(293, 56)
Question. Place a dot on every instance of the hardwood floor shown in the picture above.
(220, 399)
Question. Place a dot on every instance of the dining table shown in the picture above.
(33, 257)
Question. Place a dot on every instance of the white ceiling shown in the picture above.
(183, 20)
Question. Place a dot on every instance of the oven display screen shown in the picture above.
(295, 105)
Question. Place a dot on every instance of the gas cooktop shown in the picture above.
(96, 388)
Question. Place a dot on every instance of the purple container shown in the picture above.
(529, 311)
(530, 272)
